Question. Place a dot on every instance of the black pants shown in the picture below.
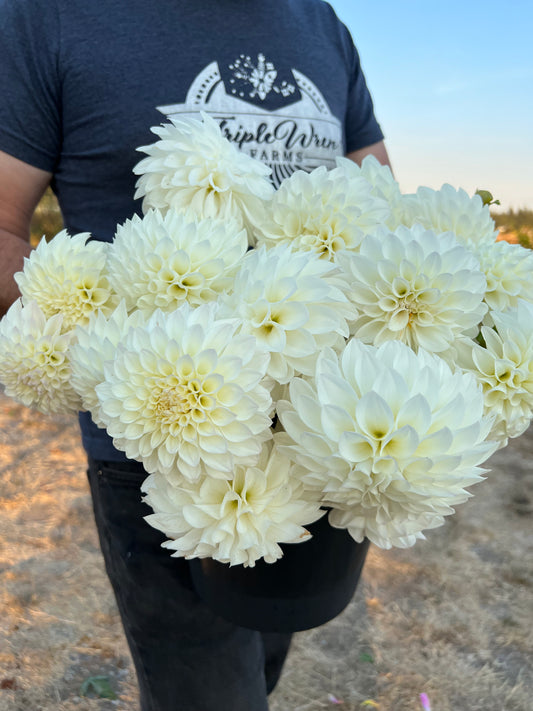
(186, 658)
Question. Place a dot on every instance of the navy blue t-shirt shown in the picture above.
(82, 82)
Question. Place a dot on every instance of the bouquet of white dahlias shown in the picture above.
(367, 356)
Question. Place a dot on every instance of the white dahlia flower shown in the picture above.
(235, 521)
(382, 183)
(508, 269)
(95, 344)
(184, 391)
(161, 261)
(391, 438)
(294, 305)
(34, 360)
(504, 368)
(67, 275)
(452, 210)
(414, 286)
(323, 212)
(192, 167)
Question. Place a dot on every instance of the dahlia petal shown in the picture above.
(335, 420)
(374, 415)
(355, 447)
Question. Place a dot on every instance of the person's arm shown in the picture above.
(21, 188)
(376, 149)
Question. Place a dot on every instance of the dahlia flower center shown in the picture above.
(236, 497)
(508, 374)
(218, 182)
(265, 320)
(183, 402)
(80, 301)
(179, 284)
(406, 304)
(243, 496)
(402, 312)
(323, 239)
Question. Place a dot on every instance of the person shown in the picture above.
(81, 85)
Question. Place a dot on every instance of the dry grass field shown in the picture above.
(451, 617)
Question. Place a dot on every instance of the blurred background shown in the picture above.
(452, 84)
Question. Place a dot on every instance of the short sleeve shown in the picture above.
(30, 126)
(362, 127)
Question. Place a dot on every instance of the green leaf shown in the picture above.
(368, 658)
(98, 686)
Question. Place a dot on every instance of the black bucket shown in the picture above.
(311, 584)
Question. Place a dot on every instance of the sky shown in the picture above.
(452, 84)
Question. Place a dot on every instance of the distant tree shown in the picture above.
(514, 219)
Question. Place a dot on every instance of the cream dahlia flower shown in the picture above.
(235, 521)
(504, 368)
(414, 286)
(452, 210)
(294, 305)
(34, 360)
(162, 261)
(382, 184)
(508, 269)
(67, 275)
(193, 167)
(95, 344)
(184, 391)
(390, 437)
(323, 212)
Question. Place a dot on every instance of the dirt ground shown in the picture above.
(451, 617)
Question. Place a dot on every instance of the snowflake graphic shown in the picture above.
(261, 77)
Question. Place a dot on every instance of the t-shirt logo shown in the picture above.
(250, 81)
(274, 113)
